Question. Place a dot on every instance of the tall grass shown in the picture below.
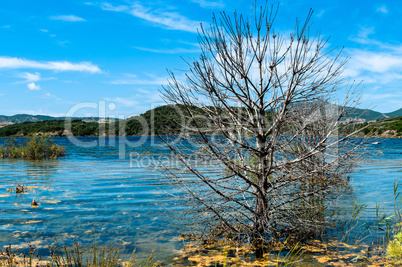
(74, 257)
(35, 147)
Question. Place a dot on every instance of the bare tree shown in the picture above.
(266, 161)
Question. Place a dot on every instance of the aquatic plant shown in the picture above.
(394, 249)
(35, 147)
(98, 256)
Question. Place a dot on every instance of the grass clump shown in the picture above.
(35, 147)
(394, 249)
(74, 257)
(97, 257)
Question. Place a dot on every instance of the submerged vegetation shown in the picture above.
(63, 256)
(357, 241)
(35, 147)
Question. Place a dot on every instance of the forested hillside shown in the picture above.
(168, 120)
(389, 127)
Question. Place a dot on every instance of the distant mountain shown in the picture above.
(366, 114)
(19, 118)
(371, 115)
(162, 120)
(24, 117)
(395, 113)
(167, 115)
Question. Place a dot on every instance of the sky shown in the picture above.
(85, 58)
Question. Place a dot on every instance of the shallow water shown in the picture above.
(90, 187)
(373, 181)
(101, 187)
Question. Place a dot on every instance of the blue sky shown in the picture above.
(55, 54)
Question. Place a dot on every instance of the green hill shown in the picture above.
(389, 127)
(370, 115)
(19, 118)
(162, 120)
(167, 120)
(53, 127)
(395, 113)
(366, 114)
(24, 117)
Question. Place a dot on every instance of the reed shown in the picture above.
(63, 256)
(35, 147)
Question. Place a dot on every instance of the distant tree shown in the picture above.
(271, 163)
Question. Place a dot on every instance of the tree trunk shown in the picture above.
(261, 202)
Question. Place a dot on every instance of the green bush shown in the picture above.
(35, 147)
(394, 249)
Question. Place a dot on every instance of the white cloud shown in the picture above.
(319, 14)
(362, 37)
(63, 43)
(30, 77)
(43, 30)
(386, 102)
(381, 96)
(6, 26)
(382, 9)
(70, 18)
(209, 4)
(375, 62)
(123, 101)
(166, 19)
(168, 51)
(49, 95)
(20, 63)
(33, 86)
(109, 7)
(149, 80)
(378, 62)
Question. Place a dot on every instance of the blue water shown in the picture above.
(373, 180)
(102, 187)
(90, 187)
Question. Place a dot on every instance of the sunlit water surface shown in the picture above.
(100, 187)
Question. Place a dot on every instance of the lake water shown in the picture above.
(101, 187)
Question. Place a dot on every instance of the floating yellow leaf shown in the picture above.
(322, 259)
(346, 245)
(29, 222)
(52, 201)
(6, 195)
